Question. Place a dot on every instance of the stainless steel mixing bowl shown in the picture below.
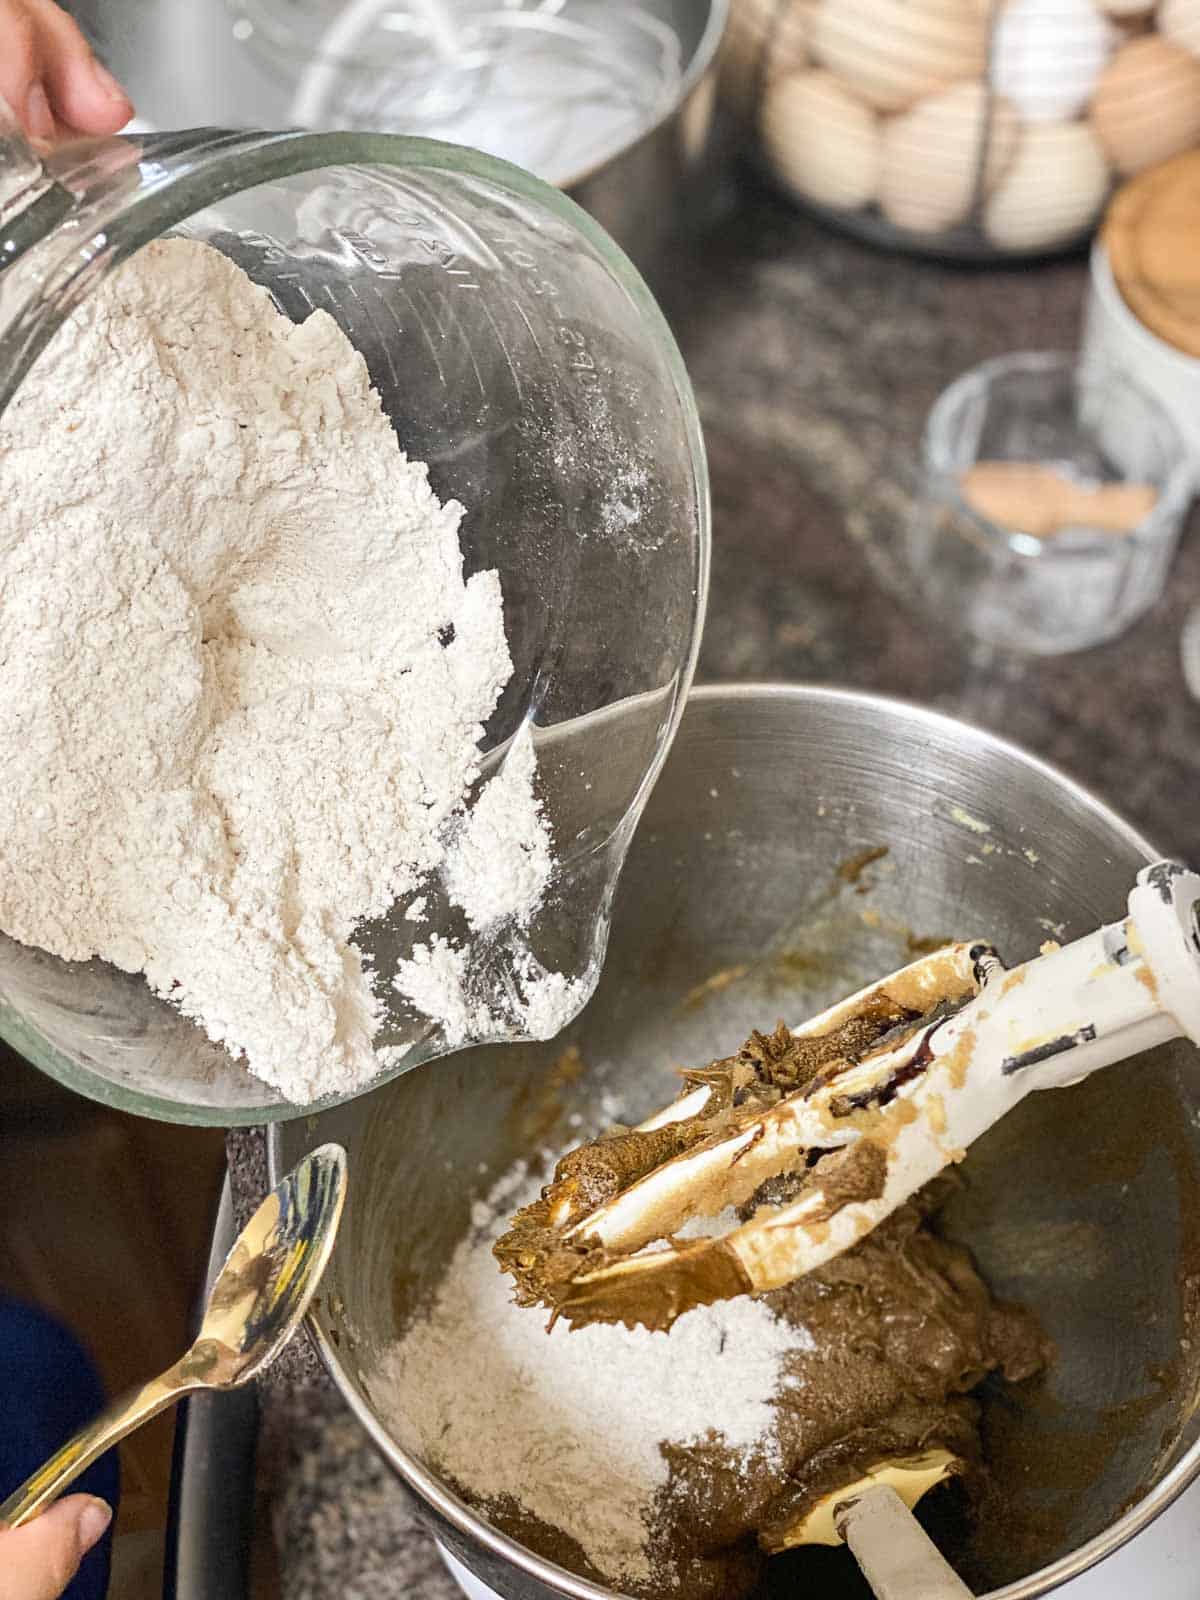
(1083, 1204)
(662, 181)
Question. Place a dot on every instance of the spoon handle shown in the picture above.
(64, 1466)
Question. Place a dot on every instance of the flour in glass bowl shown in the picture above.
(245, 678)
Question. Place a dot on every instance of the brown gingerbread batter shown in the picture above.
(902, 1329)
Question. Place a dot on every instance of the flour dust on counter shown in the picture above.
(245, 676)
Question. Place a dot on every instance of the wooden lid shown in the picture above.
(1152, 235)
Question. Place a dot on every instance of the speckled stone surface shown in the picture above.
(815, 361)
(342, 1526)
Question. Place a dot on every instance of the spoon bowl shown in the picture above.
(272, 1272)
(254, 1307)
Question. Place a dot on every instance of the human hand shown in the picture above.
(38, 1561)
(49, 77)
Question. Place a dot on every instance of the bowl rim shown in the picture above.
(702, 62)
(455, 1511)
(1183, 367)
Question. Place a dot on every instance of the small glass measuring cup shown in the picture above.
(519, 354)
(1089, 425)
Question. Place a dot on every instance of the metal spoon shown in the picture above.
(255, 1305)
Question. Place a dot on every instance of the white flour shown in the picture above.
(569, 1424)
(437, 981)
(229, 728)
(499, 864)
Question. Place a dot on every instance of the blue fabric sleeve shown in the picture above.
(48, 1389)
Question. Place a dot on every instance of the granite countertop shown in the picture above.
(815, 361)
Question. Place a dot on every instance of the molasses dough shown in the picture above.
(902, 1328)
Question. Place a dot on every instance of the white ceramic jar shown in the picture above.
(1113, 337)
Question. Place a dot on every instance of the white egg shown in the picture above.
(891, 52)
(1052, 191)
(821, 141)
(1047, 56)
(1179, 21)
(931, 155)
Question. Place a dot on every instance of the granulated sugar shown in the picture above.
(568, 1424)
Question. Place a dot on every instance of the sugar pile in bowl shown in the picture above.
(245, 678)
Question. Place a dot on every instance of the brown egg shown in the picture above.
(1179, 21)
(1146, 107)
(931, 155)
(891, 52)
(821, 141)
(1034, 497)
(764, 39)
(1052, 190)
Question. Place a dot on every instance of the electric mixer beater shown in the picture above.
(815, 1135)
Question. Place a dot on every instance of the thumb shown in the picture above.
(38, 1561)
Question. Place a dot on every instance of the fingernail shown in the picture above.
(93, 1520)
(39, 119)
(111, 88)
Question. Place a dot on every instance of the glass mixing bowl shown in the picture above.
(520, 355)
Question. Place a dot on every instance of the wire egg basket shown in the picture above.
(979, 129)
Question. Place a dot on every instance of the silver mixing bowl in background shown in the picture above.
(1082, 1204)
(249, 62)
